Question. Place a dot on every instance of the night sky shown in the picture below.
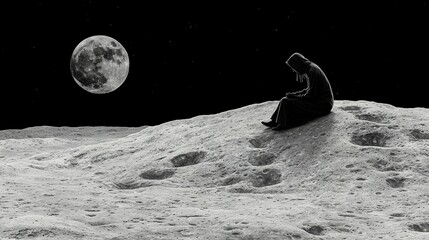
(192, 59)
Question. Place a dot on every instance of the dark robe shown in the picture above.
(314, 101)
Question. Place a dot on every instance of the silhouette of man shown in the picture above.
(313, 101)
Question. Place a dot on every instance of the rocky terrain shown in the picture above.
(361, 172)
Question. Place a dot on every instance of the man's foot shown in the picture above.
(278, 128)
(270, 124)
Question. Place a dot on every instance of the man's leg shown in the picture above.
(281, 118)
(273, 122)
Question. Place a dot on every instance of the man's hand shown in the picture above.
(290, 95)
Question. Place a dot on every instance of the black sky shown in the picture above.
(192, 59)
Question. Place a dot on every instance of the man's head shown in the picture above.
(298, 63)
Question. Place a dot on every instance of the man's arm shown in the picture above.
(297, 93)
(301, 93)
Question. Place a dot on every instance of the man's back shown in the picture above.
(320, 88)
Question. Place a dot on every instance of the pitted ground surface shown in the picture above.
(359, 173)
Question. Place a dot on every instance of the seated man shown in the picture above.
(299, 107)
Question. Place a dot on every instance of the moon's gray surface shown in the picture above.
(360, 173)
(99, 64)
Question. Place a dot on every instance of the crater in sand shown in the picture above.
(377, 139)
(396, 182)
(315, 230)
(266, 177)
(419, 227)
(187, 159)
(419, 134)
(261, 159)
(157, 174)
(377, 118)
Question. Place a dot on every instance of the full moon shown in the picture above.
(99, 64)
